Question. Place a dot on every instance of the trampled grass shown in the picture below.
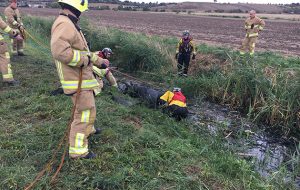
(140, 148)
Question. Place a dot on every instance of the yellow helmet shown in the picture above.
(80, 5)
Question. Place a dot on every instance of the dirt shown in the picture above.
(281, 36)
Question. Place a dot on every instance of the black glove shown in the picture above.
(252, 26)
(194, 57)
(103, 66)
(176, 56)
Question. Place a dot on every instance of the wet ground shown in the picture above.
(266, 153)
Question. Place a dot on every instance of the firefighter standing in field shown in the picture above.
(185, 49)
(13, 19)
(72, 55)
(104, 71)
(5, 66)
(253, 25)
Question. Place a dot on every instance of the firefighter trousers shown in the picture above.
(183, 62)
(17, 46)
(83, 124)
(248, 43)
(5, 66)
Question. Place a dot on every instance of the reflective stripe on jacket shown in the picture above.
(70, 51)
(253, 26)
(176, 98)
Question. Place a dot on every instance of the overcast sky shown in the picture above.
(226, 1)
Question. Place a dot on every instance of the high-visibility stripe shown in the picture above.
(79, 151)
(85, 116)
(15, 23)
(8, 76)
(1, 37)
(251, 35)
(94, 57)
(9, 71)
(76, 58)
(7, 55)
(7, 29)
(242, 53)
(79, 140)
(72, 85)
(100, 72)
(253, 45)
(260, 27)
(59, 70)
(78, 147)
(178, 103)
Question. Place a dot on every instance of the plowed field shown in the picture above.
(279, 35)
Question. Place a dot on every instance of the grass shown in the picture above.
(140, 148)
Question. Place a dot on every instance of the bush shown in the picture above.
(53, 5)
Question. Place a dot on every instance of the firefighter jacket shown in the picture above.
(253, 26)
(7, 29)
(186, 46)
(70, 51)
(174, 98)
(13, 17)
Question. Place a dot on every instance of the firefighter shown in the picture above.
(72, 55)
(185, 48)
(13, 18)
(5, 66)
(253, 25)
(104, 71)
(174, 103)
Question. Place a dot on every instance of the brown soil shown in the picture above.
(281, 36)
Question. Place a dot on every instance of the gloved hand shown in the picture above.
(106, 62)
(176, 56)
(194, 57)
(19, 37)
(86, 63)
(103, 66)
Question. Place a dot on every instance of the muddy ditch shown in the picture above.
(266, 152)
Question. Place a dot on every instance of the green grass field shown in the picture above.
(140, 148)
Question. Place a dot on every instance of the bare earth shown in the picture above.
(282, 36)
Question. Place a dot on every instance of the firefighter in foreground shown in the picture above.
(5, 65)
(104, 71)
(253, 25)
(185, 49)
(71, 53)
(13, 18)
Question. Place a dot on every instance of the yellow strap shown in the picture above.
(7, 29)
(8, 76)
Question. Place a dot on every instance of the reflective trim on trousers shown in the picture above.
(72, 85)
(85, 116)
(78, 148)
(8, 76)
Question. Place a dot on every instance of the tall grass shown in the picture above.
(266, 88)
